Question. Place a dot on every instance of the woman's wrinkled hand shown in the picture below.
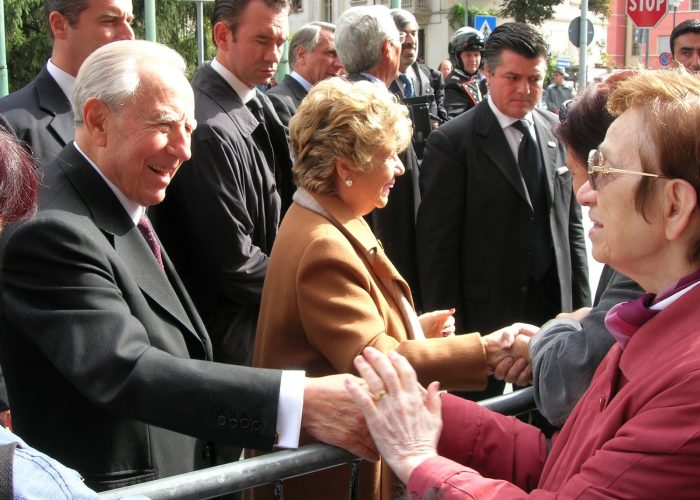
(403, 418)
(438, 323)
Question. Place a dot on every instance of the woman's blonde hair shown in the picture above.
(346, 120)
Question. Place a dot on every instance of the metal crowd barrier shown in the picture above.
(278, 466)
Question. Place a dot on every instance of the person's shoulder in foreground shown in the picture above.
(36, 475)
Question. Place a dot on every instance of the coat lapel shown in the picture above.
(54, 102)
(358, 232)
(212, 84)
(111, 218)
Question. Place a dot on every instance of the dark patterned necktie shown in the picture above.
(146, 229)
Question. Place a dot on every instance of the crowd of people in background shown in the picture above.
(188, 269)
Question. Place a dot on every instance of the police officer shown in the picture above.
(462, 86)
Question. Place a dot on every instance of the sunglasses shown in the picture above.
(597, 170)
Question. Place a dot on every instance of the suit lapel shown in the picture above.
(296, 88)
(548, 147)
(54, 102)
(111, 218)
(496, 148)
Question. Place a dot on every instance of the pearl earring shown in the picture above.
(348, 182)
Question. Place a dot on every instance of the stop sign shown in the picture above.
(646, 13)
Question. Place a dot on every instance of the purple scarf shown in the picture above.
(624, 319)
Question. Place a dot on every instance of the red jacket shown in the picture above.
(634, 434)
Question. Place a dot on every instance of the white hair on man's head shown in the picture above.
(113, 72)
(360, 34)
(307, 37)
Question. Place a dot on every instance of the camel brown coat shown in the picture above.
(325, 300)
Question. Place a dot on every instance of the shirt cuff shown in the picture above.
(291, 403)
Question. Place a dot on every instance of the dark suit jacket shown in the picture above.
(106, 359)
(222, 211)
(395, 225)
(286, 98)
(40, 114)
(430, 82)
(473, 223)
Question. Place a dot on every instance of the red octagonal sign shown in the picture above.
(646, 13)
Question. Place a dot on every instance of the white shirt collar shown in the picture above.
(65, 81)
(505, 120)
(244, 93)
(302, 81)
(132, 208)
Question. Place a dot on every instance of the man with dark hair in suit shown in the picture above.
(415, 79)
(369, 45)
(107, 361)
(239, 179)
(40, 113)
(312, 57)
(499, 233)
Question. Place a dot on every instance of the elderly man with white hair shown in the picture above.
(369, 45)
(108, 363)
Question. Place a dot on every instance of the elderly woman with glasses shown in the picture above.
(634, 433)
(330, 290)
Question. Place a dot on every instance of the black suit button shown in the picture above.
(245, 423)
(523, 288)
(257, 425)
(232, 423)
(221, 420)
(532, 220)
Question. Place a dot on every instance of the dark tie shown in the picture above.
(146, 229)
(407, 85)
(256, 108)
(530, 164)
(529, 161)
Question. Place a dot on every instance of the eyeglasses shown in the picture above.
(597, 170)
(402, 37)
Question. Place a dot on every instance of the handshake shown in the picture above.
(508, 353)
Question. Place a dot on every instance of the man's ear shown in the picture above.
(58, 24)
(221, 34)
(300, 54)
(96, 117)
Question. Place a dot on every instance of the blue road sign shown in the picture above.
(485, 24)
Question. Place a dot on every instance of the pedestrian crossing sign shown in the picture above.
(485, 24)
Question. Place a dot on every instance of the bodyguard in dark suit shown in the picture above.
(107, 361)
(313, 58)
(415, 80)
(378, 62)
(239, 179)
(499, 233)
(40, 113)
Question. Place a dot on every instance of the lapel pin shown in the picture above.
(552, 144)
